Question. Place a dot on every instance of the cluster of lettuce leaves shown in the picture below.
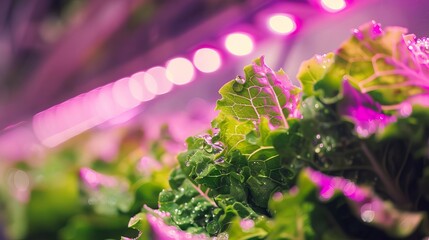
(345, 157)
(76, 195)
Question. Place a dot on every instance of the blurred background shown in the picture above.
(67, 66)
(112, 85)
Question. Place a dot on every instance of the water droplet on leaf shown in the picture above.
(367, 214)
(376, 30)
(418, 47)
(358, 34)
(323, 60)
(240, 80)
(237, 87)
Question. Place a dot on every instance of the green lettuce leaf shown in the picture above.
(377, 61)
(262, 93)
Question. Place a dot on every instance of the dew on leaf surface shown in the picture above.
(240, 80)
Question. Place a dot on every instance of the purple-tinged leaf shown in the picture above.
(370, 208)
(363, 111)
(262, 93)
(160, 229)
(385, 63)
(405, 108)
(95, 180)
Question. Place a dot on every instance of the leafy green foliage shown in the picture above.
(347, 160)
(234, 170)
(300, 215)
(262, 93)
(391, 165)
(264, 137)
(376, 61)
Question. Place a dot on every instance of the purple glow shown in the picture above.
(364, 112)
(239, 43)
(95, 180)
(333, 5)
(142, 86)
(180, 71)
(104, 145)
(163, 85)
(406, 107)
(247, 224)
(283, 24)
(278, 196)
(147, 165)
(358, 34)
(207, 60)
(376, 30)
(19, 185)
(76, 115)
(366, 204)
(104, 103)
(59, 123)
(165, 232)
(122, 94)
(419, 48)
(329, 185)
(280, 79)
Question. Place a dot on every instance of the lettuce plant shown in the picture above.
(344, 157)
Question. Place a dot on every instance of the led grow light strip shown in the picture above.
(70, 118)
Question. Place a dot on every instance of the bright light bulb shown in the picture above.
(142, 86)
(122, 94)
(207, 60)
(239, 44)
(180, 71)
(333, 5)
(163, 85)
(282, 24)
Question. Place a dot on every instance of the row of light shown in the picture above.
(61, 122)
(333, 5)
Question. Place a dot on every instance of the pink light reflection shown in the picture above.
(95, 180)
(74, 116)
(142, 86)
(239, 43)
(160, 75)
(333, 5)
(207, 60)
(282, 24)
(180, 71)
(104, 104)
(19, 185)
(122, 94)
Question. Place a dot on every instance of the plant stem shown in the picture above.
(388, 183)
(204, 195)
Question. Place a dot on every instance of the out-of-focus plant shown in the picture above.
(91, 186)
(346, 158)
